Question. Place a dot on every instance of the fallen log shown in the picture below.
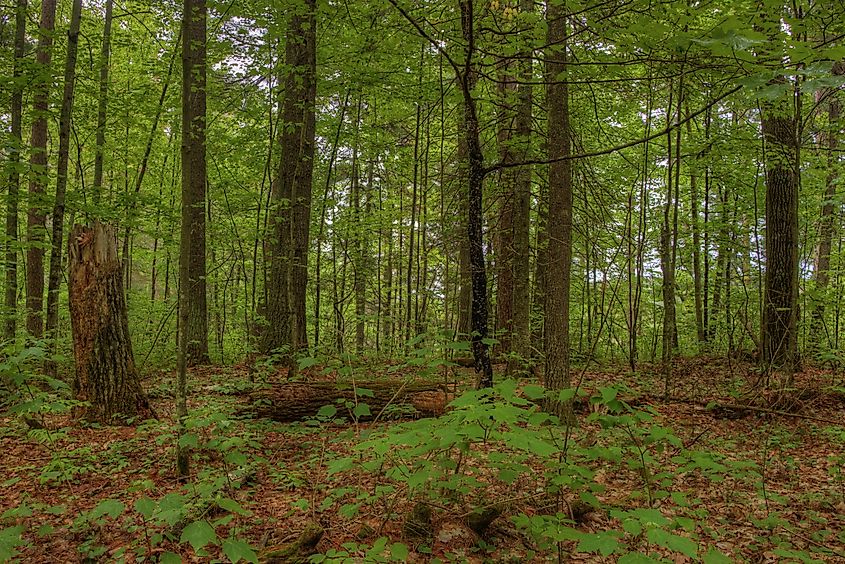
(385, 399)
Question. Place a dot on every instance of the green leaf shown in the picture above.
(10, 539)
(327, 412)
(307, 362)
(237, 550)
(399, 552)
(533, 391)
(361, 410)
(232, 506)
(199, 534)
(604, 543)
(170, 558)
(714, 556)
(145, 506)
(110, 507)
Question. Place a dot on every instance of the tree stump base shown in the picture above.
(106, 376)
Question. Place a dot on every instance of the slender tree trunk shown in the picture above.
(520, 343)
(475, 209)
(194, 181)
(193, 320)
(16, 142)
(829, 140)
(106, 375)
(102, 104)
(36, 216)
(54, 278)
(666, 246)
(556, 341)
(301, 210)
(507, 195)
(696, 247)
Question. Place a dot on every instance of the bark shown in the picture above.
(520, 343)
(507, 189)
(475, 209)
(301, 211)
(36, 216)
(54, 278)
(192, 245)
(296, 401)
(780, 300)
(106, 375)
(16, 143)
(291, 190)
(102, 104)
(830, 141)
(556, 341)
(696, 248)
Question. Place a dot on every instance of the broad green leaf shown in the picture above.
(199, 534)
(237, 550)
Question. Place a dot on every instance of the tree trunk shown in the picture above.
(194, 181)
(507, 188)
(520, 342)
(16, 141)
(475, 209)
(54, 279)
(780, 314)
(102, 104)
(36, 216)
(291, 190)
(106, 376)
(559, 253)
(296, 401)
(830, 141)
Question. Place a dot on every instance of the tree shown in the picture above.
(559, 253)
(193, 322)
(58, 219)
(16, 141)
(106, 375)
(291, 190)
(194, 309)
(36, 216)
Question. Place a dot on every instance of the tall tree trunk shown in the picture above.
(556, 342)
(520, 342)
(16, 141)
(301, 210)
(194, 181)
(54, 278)
(106, 375)
(830, 141)
(359, 274)
(102, 104)
(507, 188)
(291, 190)
(193, 321)
(667, 244)
(696, 246)
(475, 210)
(36, 216)
(780, 314)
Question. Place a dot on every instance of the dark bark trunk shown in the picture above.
(475, 209)
(192, 244)
(16, 142)
(556, 342)
(293, 402)
(106, 375)
(102, 104)
(36, 216)
(780, 314)
(54, 278)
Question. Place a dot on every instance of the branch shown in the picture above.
(617, 148)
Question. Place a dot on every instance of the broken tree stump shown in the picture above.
(106, 376)
(294, 401)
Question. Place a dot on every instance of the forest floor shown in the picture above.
(746, 485)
